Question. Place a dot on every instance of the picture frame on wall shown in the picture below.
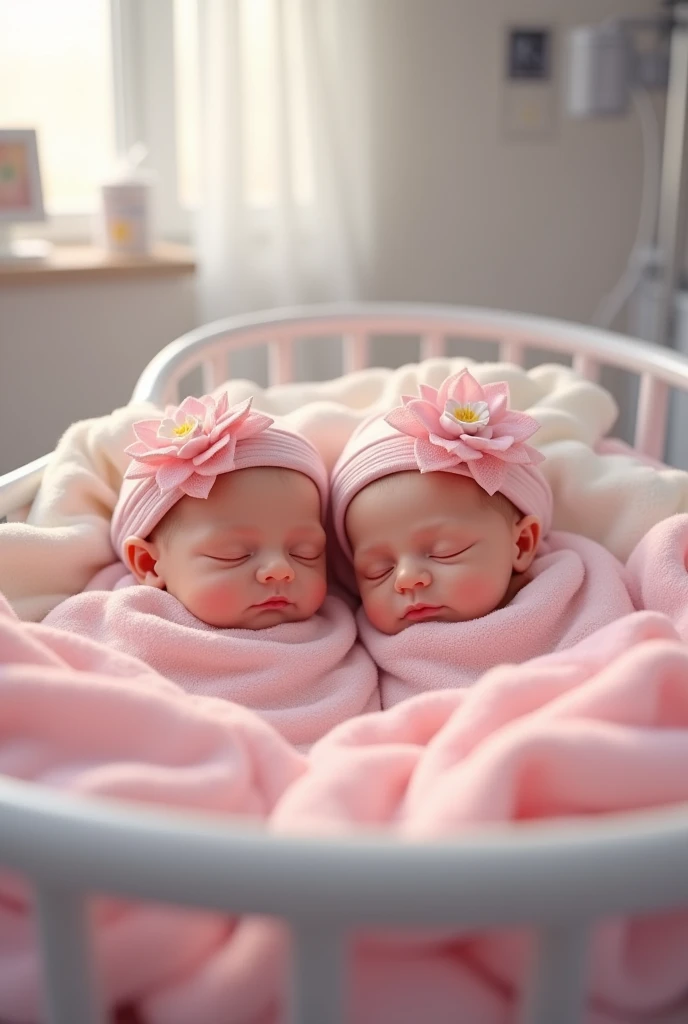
(21, 191)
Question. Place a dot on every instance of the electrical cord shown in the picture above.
(642, 252)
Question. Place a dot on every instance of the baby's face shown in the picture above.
(434, 547)
(251, 555)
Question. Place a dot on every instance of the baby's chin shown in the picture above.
(264, 619)
(256, 618)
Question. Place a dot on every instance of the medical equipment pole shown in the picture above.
(671, 236)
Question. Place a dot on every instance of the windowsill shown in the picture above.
(89, 263)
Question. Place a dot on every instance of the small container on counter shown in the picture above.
(126, 209)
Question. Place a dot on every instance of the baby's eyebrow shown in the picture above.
(221, 531)
(313, 528)
(377, 550)
(219, 536)
(436, 524)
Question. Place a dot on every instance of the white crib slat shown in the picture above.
(318, 983)
(171, 392)
(556, 990)
(214, 371)
(281, 361)
(69, 981)
(355, 356)
(512, 351)
(586, 366)
(432, 346)
(651, 422)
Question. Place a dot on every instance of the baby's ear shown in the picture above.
(140, 557)
(527, 533)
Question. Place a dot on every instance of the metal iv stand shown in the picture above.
(671, 231)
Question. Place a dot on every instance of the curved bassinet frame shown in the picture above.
(557, 878)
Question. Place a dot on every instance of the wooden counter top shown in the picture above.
(89, 263)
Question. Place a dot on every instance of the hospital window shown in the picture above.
(88, 74)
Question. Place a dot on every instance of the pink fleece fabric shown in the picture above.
(599, 728)
(81, 717)
(658, 570)
(301, 677)
(575, 587)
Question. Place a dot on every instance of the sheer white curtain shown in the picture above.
(284, 153)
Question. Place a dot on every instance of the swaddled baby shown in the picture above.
(445, 517)
(222, 582)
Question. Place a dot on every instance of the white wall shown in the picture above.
(463, 214)
(69, 351)
(459, 214)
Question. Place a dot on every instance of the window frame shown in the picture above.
(143, 70)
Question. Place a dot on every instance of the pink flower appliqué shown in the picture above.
(192, 443)
(465, 422)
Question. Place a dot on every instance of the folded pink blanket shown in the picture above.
(658, 570)
(301, 677)
(576, 587)
(600, 728)
(79, 717)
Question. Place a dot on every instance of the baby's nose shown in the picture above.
(277, 570)
(411, 575)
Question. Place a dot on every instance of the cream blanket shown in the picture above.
(613, 498)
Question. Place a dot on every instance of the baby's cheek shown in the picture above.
(314, 591)
(212, 601)
(377, 605)
(477, 590)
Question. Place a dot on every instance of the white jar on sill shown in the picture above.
(126, 215)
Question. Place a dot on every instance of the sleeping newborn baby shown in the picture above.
(222, 582)
(445, 517)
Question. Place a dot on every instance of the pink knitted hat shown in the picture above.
(462, 428)
(184, 450)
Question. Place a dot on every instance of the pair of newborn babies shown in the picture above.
(438, 507)
(242, 543)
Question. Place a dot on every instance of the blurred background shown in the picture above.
(305, 151)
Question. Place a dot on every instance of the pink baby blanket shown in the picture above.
(301, 677)
(77, 716)
(659, 571)
(575, 587)
(600, 728)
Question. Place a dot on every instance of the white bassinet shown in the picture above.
(558, 878)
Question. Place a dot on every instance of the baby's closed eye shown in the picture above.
(231, 557)
(447, 551)
(375, 571)
(308, 552)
